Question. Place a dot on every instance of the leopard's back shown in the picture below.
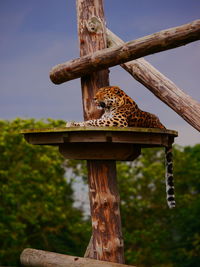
(144, 119)
(139, 118)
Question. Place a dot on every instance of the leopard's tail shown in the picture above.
(169, 179)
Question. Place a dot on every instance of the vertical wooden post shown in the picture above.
(92, 37)
(107, 242)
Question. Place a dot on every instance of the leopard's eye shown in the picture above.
(102, 104)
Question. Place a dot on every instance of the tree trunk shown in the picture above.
(157, 42)
(183, 104)
(106, 242)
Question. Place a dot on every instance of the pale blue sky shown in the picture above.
(35, 35)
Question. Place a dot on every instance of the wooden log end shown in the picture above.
(53, 77)
(59, 74)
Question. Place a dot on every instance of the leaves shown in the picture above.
(155, 235)
(36, 202)
(36, 198)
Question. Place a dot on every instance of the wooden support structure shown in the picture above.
(38, 258)
(183, 104)
(157, 42)
(99, 143)
(126, 143)
(102, 146)
(107, 241)
(90, 42)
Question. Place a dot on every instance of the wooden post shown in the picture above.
(157, 42)
(105, 211)
(107, 242)
(183, 104)
(92, 37)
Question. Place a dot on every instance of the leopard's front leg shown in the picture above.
(114, 121)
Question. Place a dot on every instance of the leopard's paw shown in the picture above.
(70, 124)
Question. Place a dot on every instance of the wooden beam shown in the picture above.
(157, 42)
(162, 87)
(107, 242)
(38, 258)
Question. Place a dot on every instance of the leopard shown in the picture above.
(120, 110)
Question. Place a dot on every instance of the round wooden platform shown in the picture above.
(111, 143)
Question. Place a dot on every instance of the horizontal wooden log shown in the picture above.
(157, 42)
(183, 104)
(39, 258)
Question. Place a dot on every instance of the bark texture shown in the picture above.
(107, 239)
(162, 87)
(157, 42)
(92, 37)
(106, 243)
(38, 258)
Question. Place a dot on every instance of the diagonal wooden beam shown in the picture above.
(157, 42)
(163, 88)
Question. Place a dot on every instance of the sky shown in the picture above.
(36, 35)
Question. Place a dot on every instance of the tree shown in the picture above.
(187, 219)
(36, 197)
(155, 235)
(36, 202)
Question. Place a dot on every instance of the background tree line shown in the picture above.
(37, 202)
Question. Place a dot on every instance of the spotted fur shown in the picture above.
(121, 111)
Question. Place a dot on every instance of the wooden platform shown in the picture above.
(111, 143)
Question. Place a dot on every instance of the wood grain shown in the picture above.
(157, 42)
(92, 39)
(90, 42)
(105, 211)
(38, 258)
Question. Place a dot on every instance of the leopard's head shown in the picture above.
(110, 97)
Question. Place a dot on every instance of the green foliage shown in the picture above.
(36, 199)
(154, 234)
(36, 202)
